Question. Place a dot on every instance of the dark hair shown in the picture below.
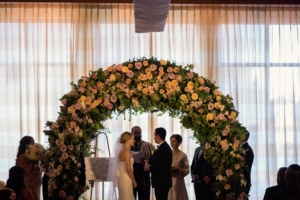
(291, 172)
(247, 134)
(23, 144)
(135, 127)
(177, 137)
(5, 194)
(161, 132)
(281, 173)
(15, 179)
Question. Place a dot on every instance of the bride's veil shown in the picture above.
(113, 172)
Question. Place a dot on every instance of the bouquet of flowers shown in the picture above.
(35, 152)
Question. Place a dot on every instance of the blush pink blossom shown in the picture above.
(113, 98)
(70, 198)
(81, 89)
(206, 89)
(62, 193)
(110, 106)
(210, 106)
(64, 101)
(64, 155)
(171, 76)
(78, 106)
(190, 75)
(107, 81)
(63, 148)
(179, 78)
(138, 65)
(70, 147)
(225, 132)
(94, 76)
(229, 172)
(170, 69)
(153, 67)
(129, 73)
(76, 179)
(57, 142)
(85, 78)
(106, 73)
(119, 67)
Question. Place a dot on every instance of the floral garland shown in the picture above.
(148, 85)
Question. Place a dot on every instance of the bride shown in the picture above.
(120, 170)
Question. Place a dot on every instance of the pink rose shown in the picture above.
(70, 198)
(63, 148)
(113, 98)
(94, 76)
(190, 75)
(138, 65)
(229, 172)
(78, 106)
(110, 106)
(76, 179)
(225, 132)
(85, 78)
(171, 76)
(70, 147)
(179, 78)
(170, 69)
(81, 89)
(119, 67)
(57, 142)
(62, 193)
(207, 89)
(153, 67)
(64, 101)
(129, 73)
(210, 106)
(64, 155)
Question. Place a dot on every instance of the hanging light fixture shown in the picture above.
(150, 15)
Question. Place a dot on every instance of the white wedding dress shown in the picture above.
(125, 187)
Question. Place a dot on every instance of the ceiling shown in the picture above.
(174, 1)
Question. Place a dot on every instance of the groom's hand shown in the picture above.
(146, 167)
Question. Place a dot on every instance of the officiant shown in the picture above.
(142, 191)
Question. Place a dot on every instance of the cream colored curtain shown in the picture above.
(251, 51)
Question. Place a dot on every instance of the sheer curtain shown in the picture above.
(251, 51)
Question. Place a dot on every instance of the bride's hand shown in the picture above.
(134, 184)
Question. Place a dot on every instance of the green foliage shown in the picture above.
(147, 85)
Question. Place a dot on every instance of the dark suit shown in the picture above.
(160, 168)
(273, 189)
(200, 168)
(286, 193)
(249, 157)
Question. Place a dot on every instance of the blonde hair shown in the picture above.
(125, 136)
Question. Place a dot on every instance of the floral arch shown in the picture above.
(148, 85)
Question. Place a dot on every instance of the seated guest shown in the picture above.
(2, 185)
(15, 181)
(7, 194)
(280, 184)
(297, 197)
(291, 184)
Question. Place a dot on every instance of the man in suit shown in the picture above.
(160, 165)
(142, 177)
(280, 184)
(249, 157)
(200, 172)
(291, 184)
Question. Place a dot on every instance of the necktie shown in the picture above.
(136, 147)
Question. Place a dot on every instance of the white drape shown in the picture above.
(251, 51)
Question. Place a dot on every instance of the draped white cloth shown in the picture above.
(251, 51)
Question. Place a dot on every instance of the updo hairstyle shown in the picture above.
(177, 137)
(125, 136)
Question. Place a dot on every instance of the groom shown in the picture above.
(160, 165)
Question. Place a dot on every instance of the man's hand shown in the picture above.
(195, 178)
(207, 180)
(146, 167)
